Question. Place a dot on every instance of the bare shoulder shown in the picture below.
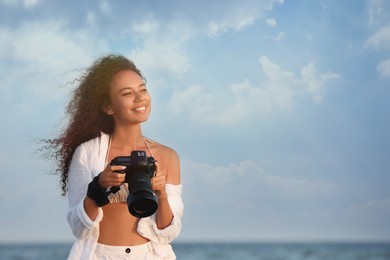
(168, 153)
(162, 151)
(168, 161)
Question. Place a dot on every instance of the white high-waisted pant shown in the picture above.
(105, 252)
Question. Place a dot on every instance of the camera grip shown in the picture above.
(115, 189)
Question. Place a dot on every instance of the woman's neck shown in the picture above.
(129, 137)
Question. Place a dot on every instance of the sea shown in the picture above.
(236, 251)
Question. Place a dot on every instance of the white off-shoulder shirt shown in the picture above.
(87, 162)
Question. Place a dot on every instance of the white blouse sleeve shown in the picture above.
(147, 227)
(79, 176)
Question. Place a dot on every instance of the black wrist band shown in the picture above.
(97, 192)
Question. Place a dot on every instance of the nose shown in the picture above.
(138, 97)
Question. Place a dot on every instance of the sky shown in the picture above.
(278, 110)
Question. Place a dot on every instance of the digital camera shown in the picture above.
(142, 201)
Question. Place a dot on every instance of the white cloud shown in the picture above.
(314, 82)
(246, 177)
(91, 18)
(25, 3)
(279, 84)
(380, 39)
(237, 23)
(248, 191)
(146, 27)
(374, 8)
(271, 22)
(46, 57)
(162, 55)
(30, 3)
(384, 68)
(362, 218)
(162, 39)
(105, 7)
(159, 50)
(161, 42)
(278, 93)
(378, 11)
(281, 207)
(277, 38)
(379, 14)
(239, 17)
(46, 44)
(190, 98)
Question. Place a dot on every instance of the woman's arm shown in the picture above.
(82, 215)
(169, 173)
(164, 226)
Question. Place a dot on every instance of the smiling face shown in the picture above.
(130, 102)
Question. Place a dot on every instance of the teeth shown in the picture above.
(140, 108)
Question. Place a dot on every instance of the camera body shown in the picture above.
(141, 201)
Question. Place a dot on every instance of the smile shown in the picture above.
(140, 109)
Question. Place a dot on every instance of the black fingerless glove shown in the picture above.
(97, 192)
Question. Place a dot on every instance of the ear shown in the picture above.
(108, 110)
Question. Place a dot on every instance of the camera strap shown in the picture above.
(146, 140)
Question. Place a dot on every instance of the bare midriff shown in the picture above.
(118, 227)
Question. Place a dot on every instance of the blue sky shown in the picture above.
(279, 111)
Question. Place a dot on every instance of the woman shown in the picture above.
(106, 113)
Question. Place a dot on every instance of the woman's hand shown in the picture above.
(158, 183)
(109, 177)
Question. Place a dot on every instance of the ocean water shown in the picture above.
(240, 251)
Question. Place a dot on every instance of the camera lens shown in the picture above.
(142, 204)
